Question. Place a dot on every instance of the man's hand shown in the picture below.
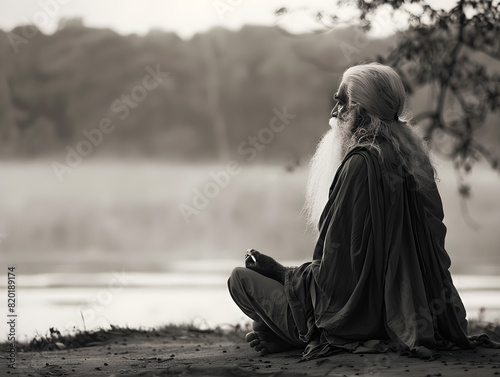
(265, 265)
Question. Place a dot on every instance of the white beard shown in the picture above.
(322, 168)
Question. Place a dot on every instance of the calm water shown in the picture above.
(66, 239)
(147, 300)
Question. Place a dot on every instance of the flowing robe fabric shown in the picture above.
(379, 275)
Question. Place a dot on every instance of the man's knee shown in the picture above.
(238, 288)
(243, 281)
(236, 277)
(238, 271)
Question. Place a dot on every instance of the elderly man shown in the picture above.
(379, 278)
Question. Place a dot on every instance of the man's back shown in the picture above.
(378, 259)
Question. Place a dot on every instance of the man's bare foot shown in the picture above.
(267, 342)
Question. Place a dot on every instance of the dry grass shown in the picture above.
(55, 340)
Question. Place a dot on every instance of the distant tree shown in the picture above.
(9, 134)
(70, 22)
(28, 95)
(455, 52)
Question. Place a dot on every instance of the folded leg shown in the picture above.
(263, 300)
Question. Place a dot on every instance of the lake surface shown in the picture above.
(196, 293)
(126, 214)
(109, 245)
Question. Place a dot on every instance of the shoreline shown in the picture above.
(190, 351)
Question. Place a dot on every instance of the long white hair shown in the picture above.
(377, 99)
(374, 110)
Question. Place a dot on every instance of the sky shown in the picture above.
(185, 17)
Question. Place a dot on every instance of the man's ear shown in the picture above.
(362, 117)
(360, 111)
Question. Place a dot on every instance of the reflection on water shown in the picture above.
(194, 293)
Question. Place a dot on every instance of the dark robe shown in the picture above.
(379, 276)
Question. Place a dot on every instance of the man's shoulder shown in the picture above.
(368, 164)
(381, 156)
(366, 151)
(358, 157)
(356, 160)
(355, 164)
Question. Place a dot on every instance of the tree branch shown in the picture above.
(474, 144)
(426, 114)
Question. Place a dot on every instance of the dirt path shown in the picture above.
(191, 353)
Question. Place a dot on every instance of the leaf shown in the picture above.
(464, 190)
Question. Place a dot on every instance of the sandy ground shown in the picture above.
(193, 353)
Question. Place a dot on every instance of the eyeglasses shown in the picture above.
(339, 106)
